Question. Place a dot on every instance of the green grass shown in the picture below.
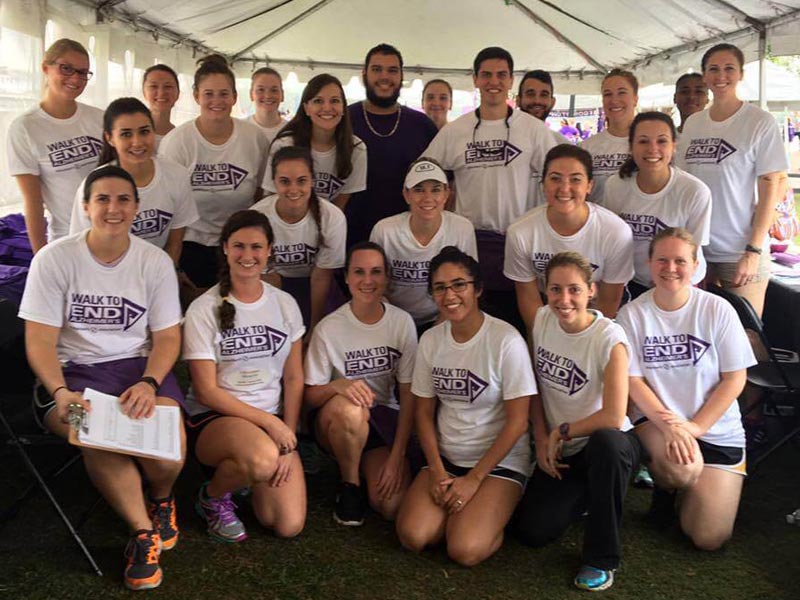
(328, 561)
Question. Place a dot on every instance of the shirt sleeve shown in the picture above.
(78, 221)
(164, 308)
(698, 219)
(625, 320)
(618, 260)
(295, 318)
(45, 292)
(357, 181)
(408, 349)
(185, 206)
(735, 352)
(200, 331)
(422, 381)
(318, 366)
(517, 265)
(770, 155)
(516, 369)
(334, 226)
(437, 149)
(22, 159)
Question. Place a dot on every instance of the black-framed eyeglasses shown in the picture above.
(440, 289)
(68, 71)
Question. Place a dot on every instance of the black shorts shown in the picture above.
(499, 472)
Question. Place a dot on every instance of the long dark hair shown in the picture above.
(299, 128)
(119, 107)
(629, 167)
(238, 220)
(304, 154)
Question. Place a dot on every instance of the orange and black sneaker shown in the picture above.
(165, 520)
(142, 571)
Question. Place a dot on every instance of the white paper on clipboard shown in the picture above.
(107, 427)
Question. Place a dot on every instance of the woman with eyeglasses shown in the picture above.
(472, 385)
(53, 146)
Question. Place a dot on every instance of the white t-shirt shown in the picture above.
(728, 156)
(536, 195)
(61, 152)
(681, 354)
(165, 203)
(224, 177)
(296, 249)
(684, 202)
(608, 153)
(381, 354)
(604, 240)
(326, 184)
(471, 381)
(104, 312)
(250, 356)
(570, 369)
(493, 165)
(410, 260)
(269, 132)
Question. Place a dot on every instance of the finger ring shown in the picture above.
(459, 502)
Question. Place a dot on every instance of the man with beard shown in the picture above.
(691, 96)
(495, 154)
(395, 136)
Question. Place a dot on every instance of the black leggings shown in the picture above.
(596, 481)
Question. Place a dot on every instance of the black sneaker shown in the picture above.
(662, 508)
(350, 507)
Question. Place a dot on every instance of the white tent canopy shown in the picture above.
(577, 40)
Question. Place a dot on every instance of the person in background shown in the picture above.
(165, 198)
(358, 387)
(691, 96)
(226, 158)
(101, 310)
(242, 341)
(610, 147)
(266, 93)
(161, 91)
(53, 146)
(322, 124)
(437, 100)
(395, 136)
(493, 153)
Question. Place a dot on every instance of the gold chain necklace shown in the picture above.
(372, 129)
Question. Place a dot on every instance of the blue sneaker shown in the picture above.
(594, 580)
(643, 479)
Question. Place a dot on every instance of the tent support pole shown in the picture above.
(762, 69)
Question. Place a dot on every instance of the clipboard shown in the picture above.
(138, 435)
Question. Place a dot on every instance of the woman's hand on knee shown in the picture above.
(390, 476)
(355, 390)
(460, 492)
(284, 438)
(439, 484)
(139, 400)
(282, 471)
(680, 445)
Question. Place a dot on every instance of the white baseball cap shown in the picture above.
(424, 170)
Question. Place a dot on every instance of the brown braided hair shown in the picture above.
(304, 154)
(238, 220)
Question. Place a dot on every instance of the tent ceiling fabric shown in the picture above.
(659, 38)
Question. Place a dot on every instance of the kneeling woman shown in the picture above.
(357, 356)
(472, 382)
(70, 350)
(690, 421)
(242, 338)
(583, 460)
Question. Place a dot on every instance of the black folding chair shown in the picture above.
(12, 358)
(778, 377)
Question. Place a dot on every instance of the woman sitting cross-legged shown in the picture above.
(472, 382)
(242, 340)
(358, 385)
(102, 311)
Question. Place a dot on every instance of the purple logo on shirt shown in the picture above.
(74, 150)
(673, 348)
(644, 227)
(560, 371)
(708, 151)
(410, 272)
(608, 163)
(150, 223)
(540, 260)
(370, 361)
(217, 175)
(99, 311)
(292, 255)
(252, 339)
(457, 384)
(490, 152)
(327, 185)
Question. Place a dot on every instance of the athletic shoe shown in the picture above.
(662, 508)
(643, 479)
(220, 515)
(309, 455)
(593, 579)
(350, 508)
(142, 571)
(164, 516)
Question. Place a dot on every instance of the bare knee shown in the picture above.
(387, 508)
(289, 527)
(709, 541)
(260, 465)
(467, 552)
(411, 537)
(676, 477)
(347, 417)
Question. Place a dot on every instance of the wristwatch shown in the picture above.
(563, 432)
(150, 381)
(753, 249)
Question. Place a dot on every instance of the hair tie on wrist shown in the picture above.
(58, 389)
